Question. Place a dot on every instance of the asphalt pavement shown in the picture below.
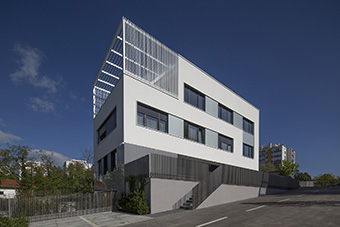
(302, 207)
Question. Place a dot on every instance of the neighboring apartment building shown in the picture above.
(276, 153)
(158, 115)
(83, 163)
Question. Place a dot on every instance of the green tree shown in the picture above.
(13, 162)
(303, 176)
(79, 178)
(288, 168)
(269, 167)
(325, 180)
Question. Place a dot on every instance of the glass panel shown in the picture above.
(200, 102)
(200, 136)
(224, 146)
(193, 133)
(186, 94)
(140, 118)
(229, 148)
(151, 122)
(162, 126)
(193, 98)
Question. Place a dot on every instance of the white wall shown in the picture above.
(165, 193)
(112, 140)
(134, 91)
(8, 193)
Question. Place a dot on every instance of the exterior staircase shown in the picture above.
(188, 204)
(201, 191)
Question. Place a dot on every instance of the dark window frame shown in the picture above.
(227, 140)
(200, 131)
(220, 115)
(249, 153)
(145, 111)
(248, 126)
(99, 167)
(194, 97)
(105, 164)
(103, 131)
(113, 160)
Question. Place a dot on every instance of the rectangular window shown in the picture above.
(108, 126)
(105, 165)
(248, 151)
(225, 114)
(113, 160)
(248, 126)
(225, 143)
(194, 132)
(99, 167)
(152, 118)
(194, 97)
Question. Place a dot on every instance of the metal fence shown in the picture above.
(54, 207)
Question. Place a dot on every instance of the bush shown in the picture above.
(135, 202)
(15, 222)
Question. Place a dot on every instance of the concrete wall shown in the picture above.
(229, 193)
(165, 193)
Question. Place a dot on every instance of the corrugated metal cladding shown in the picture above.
(144, 58)
(149, 60)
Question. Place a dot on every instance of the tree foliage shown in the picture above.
(325, 180)
(288, 168)
(16, 164)
(303, 176)
(269, 167)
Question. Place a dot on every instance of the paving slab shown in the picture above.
(94, 220)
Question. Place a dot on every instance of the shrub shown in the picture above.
(15, 222)
(135, 202)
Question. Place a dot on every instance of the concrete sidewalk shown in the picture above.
(93, 220)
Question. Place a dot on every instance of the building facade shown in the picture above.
(276, 154)
(156, 99)
(159, 116)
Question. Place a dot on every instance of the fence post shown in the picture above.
(9, 208)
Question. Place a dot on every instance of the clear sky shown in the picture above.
(282, 56)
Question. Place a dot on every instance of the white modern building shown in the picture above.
(162, 117)
(83, 163)
(276, 154)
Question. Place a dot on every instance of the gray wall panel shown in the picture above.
(248, 138)
(238, 120)
(211, 106)
(211, 138)
(176, 126)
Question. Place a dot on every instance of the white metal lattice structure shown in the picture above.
(139, 55)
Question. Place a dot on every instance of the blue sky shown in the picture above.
(282, 56)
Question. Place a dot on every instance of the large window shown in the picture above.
(100, 167)
(194, 97)
(248, 151)
(113, 160)
(105, 165)
(152, 118)
(194, 132)
(109, 124)
(225, 114)
(225, 143)
(248, 126)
